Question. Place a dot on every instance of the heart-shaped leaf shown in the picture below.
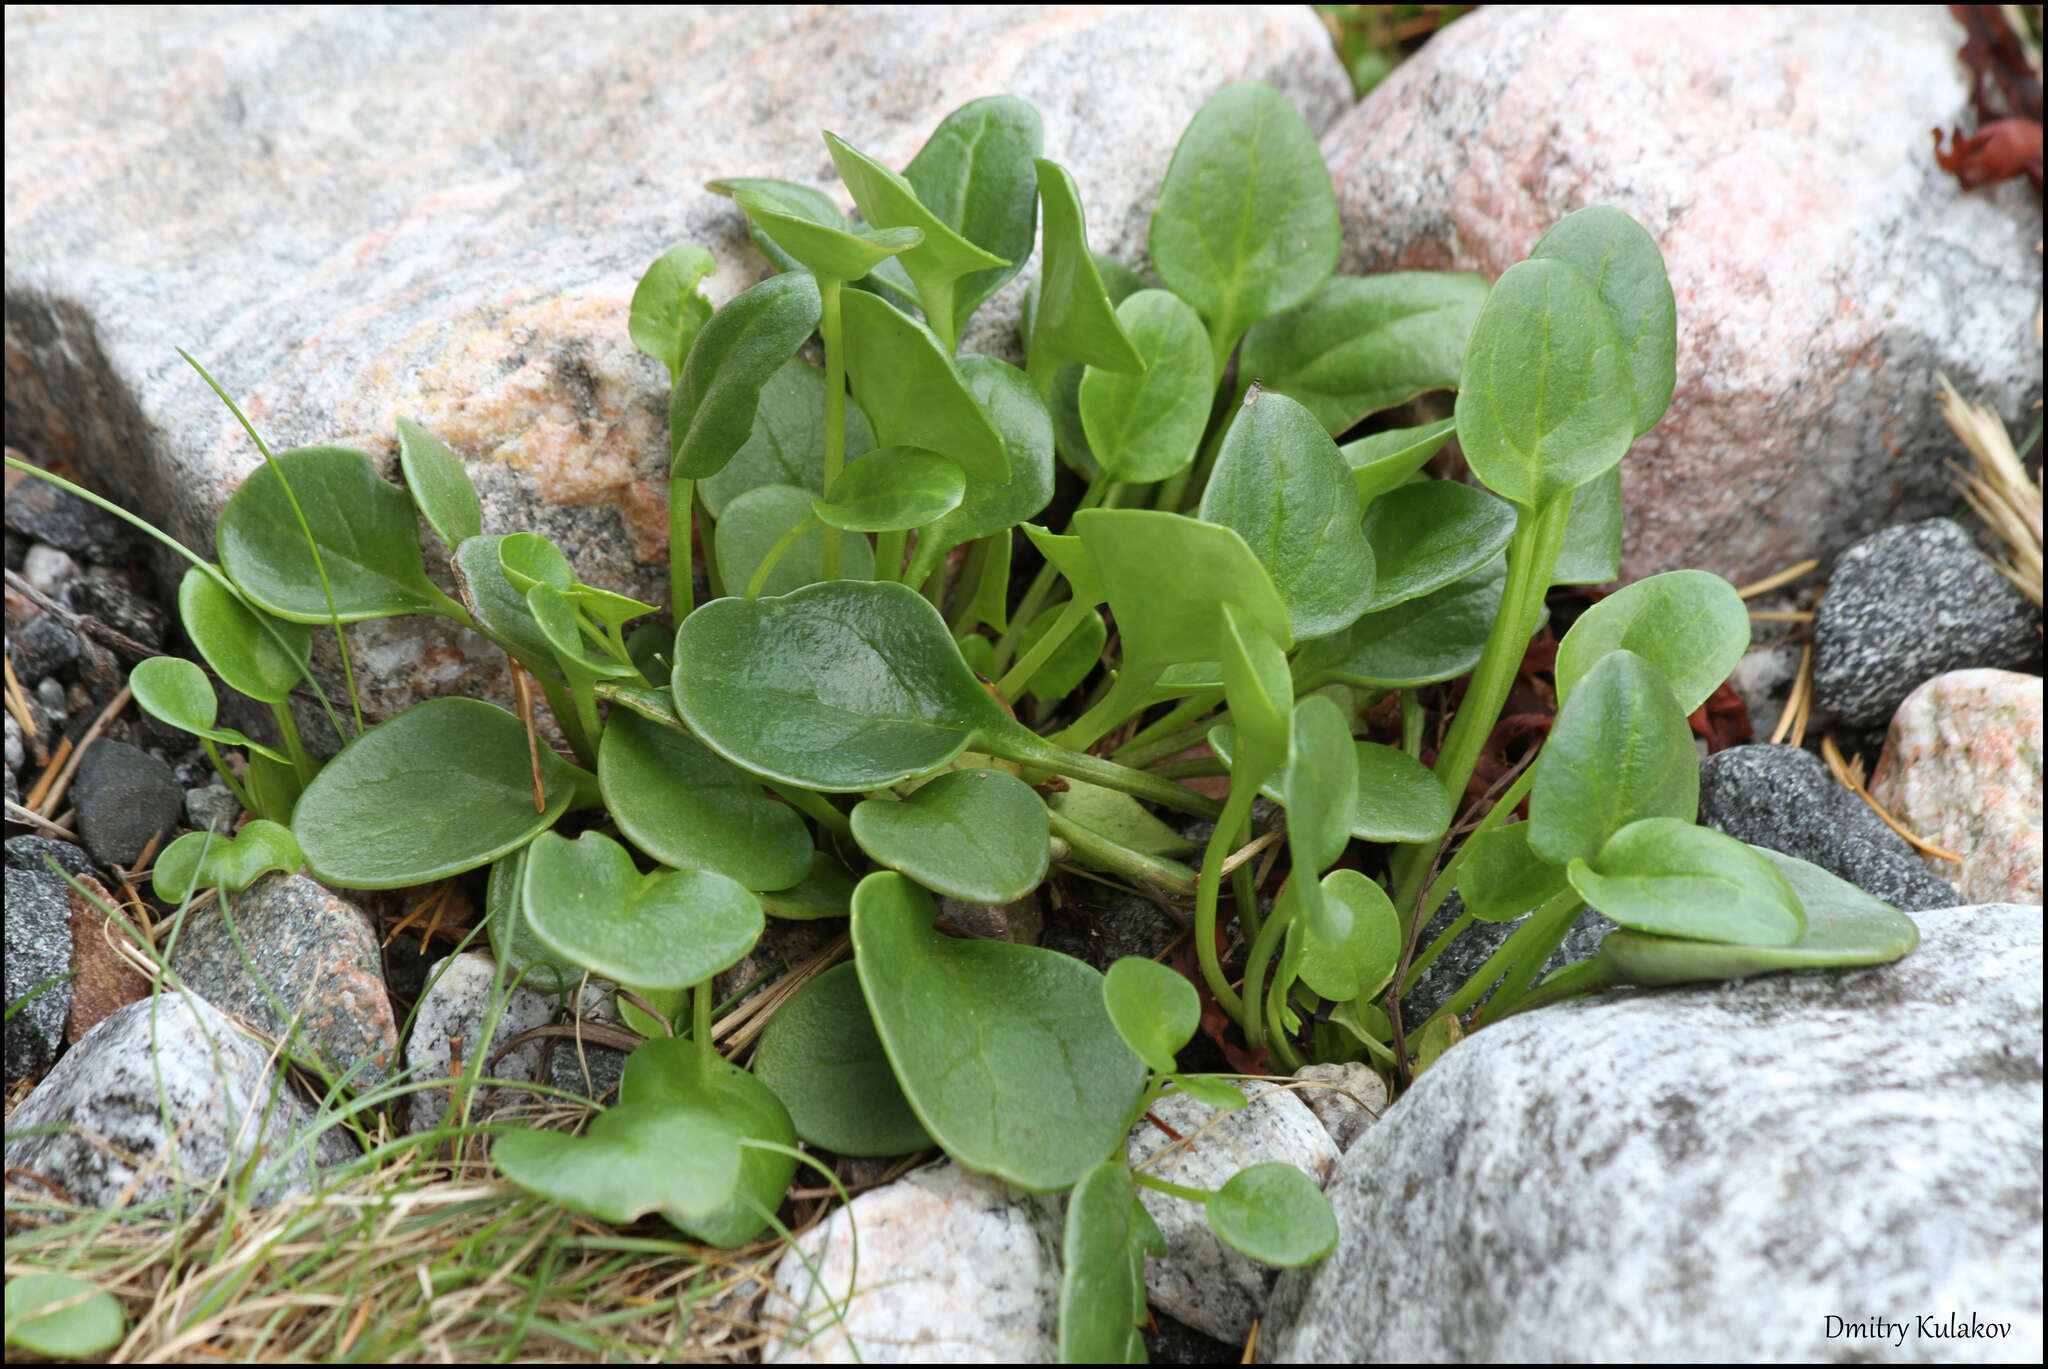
(1005, 1052)
(1437, 637)
(1361, 344)
(1669, 878)
(1073, 318)
(1246, 224)
(992, 507)
(361, 524)
(1399, 798)
(175, 691)
(262, 656)
(668, 308)
(1154, 1008)
(1280, 485)
(688, 809)
(1619, 752)
(1427, 535)
(1545, 402)
(673, 1072)
(62, 1317)
(838, 687)
(443, 787)
(1275, 1214)
(787, 443)
(1385, 461)
(439, 484)
(1102, 1284)
(201, 859)
(826, 252)
(528, 559)
(826, 890)
(1844, 926)
(975, 174)
(1167, 579)
(1591, 554)
(977, 835)
(665, 930)
(821, 1056)
(1690, 624)
(636, 1158)
(711, 409)
(892, 490)
(513, 943)
(1362, 963)
(755, 523)
(1501, 879)
(914, 397)
(1627, 271)
(1144, 425)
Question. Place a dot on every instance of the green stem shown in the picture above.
(1035, 593)
(1542, 947)
(1012, 685)
(1028, 748)
(583, 698)
(682, 589)
(707, 533)
(815, 806)
(934, 586)
(835, 408)
(583, 743)
(1202, 767)
(889, 554)
(1588, 976)
(1125, 697)
(782, 546)
(1041, 368)
(1497, 964)
(1276, 1032)
(1421, 963)
(1235, 810)
(1173, 733)
(1255, 967)
(700, 1024)
(1447, 878)
(1099, 853)
(293, 746)
(1412, 721)
(586, 795)
(970, 586)
(1159, 1185)
(220, 766)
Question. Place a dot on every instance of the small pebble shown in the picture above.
(126, 800)
(17, 750)
(47, 568)
(50, 694)
(40, 648)
(211, 807)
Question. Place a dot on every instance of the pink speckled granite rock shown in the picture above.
(359, 212)
(1825, 269)
(1962, 769)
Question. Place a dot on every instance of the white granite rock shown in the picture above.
(443, 216)
(1201, 1281)
(174, 1059)
(447, 1031)
(1709, 1173)
(954, 1268)
(1962, 768)
(1826, 269)
(1347, 1099)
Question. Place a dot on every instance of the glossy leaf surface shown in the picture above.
(1501, 878)
(825, 251)
(1102, 1286)
(1005, 1052)
(1064, 670)
(1362, 963)
(262, 657)
(977, 835)
(496, 603)
(1385, 461)
(1155, 1009)
(1074, 318)
(711, 409)
(586, 902)
(1437, 637)
(1168, 578)
(1275, 1214)
(1669, 878)
(892, 490)
(826, 890)
(671, 1072)
(513, 943)
(821, 1056)
(1016, 412)
(529, 559)
(230, 860)
(976, 174)
(913, 395)
(1619, 752)
(787, 443)
(173, 690)
(1144, 425)
(669, 309)
(1690, 624)
(756, 521)
(1627, 271)
(1429, 534)
(439, 484)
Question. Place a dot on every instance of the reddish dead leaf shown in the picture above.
(104, 982)
(1723, 719)
(2006, 96)
(1996, 152)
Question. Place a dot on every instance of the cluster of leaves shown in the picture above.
(2005, 94)
(858, 524)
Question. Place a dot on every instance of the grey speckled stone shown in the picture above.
(1707, 1172)
(38, 930)
(1784, 798)
(316, 951)
(1347, 1100)
(1906, 605)
(105, 1093)
(955, 1268)
(1825, 268)
(1475, 945)
(33, 853)
(126, 798)
(449, 1025)
(1202, 1281)
(445, 227)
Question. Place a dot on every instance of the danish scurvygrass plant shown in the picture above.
(1266, 581)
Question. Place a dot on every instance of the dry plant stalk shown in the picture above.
(1998, 490)
(1850, 774)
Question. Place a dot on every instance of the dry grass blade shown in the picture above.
(1797, 703)
(1998, 490)
(1783, 577)
(1850, 775)
(17, 702)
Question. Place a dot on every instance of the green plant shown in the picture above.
(861, 521)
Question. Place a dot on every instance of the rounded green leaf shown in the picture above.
(822, 1058)
(1437, 637)
(443, 787)
(1211, 1091)
(1501, 879)
(1167, 578)
(711, 409)
(1363, 962)
(1145, 425)
(688, 809)
(1361, 344)
(892, 490)
(1619, 752)
(1320, 784)
(671, 1071)
(1280, 485)
(1246, 224)
(833, 253)
(587, 903)
(1018, 414)
(786, 445)
(1627, 271)
(1275, 1214)
(668, 309)
(528, 559)
(1102, 1286)
(636, 1158)
(199, 859)
(1591, 554)
(1844, 926)
(62, 1317)
(1260, 693)
(1545, 402)
(1155, 1009)
(975, 174)
(175, 691)
(362, 527)
(826, 890)
(262, 656)
(439, 484)
(756, 521)
(1070, 663)
(977, 835)
(1430, 534)
(1005, 1052)
(913, 394)
(1690, 624)
(1399, 798)
(808, 201)
(1073, 318)
(497, 604)
(1384, 461)
(839, 687)
(513, 943)
(1669, 878)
